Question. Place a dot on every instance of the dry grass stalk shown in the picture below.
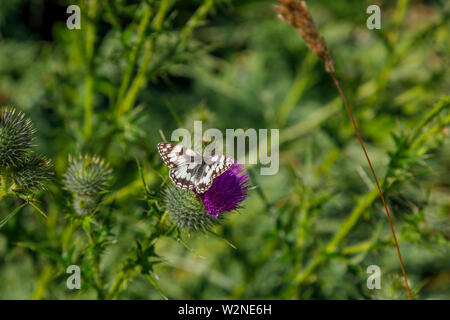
(296, 14)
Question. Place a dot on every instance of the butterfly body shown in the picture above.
(189, 169)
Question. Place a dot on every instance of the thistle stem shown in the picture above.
(143, 26)
(95, 262)
(89, 80)
(115, 288)
(139, 81)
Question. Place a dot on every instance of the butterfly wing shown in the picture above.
(183, 163)
(188, 170)
(203, 180)
(213, 167)
(172, 154)
(184, 176)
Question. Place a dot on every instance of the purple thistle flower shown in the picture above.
(227, 191)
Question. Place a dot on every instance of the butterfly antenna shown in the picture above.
(161, 133)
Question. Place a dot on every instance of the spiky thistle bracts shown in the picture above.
(186, 211)
(21, 169)
(87, 175)
(86, 178)
(16, 135)
(33, 173)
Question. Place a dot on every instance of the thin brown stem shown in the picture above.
(341, 92)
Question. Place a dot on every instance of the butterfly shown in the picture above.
(189, 169)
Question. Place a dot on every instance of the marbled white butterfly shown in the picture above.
(189, 170)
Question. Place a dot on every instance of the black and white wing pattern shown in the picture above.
(189, 170)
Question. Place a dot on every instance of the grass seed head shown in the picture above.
(295, 13)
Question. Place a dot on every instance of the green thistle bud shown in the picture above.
(16, 134)
(84, 204)
(31, 175)
(186, 210)
(88, 175)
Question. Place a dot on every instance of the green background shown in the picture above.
(237, 66)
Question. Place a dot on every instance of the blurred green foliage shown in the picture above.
(138, 67)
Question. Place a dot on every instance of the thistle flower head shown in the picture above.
(227, 191)
(186, 210)
(16, 134)
(190, 210)
(31, 175)
(87, 175)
